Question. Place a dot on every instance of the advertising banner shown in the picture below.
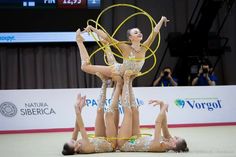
(53, 109)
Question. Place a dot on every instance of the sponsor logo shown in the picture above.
(7, 38)
(35, 108)
(93, 102)
(8, 109)
(180, 103)
(209, 104)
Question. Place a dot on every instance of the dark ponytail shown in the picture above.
(67, 150)
(181, 146)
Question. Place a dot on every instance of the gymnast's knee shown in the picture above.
(84, 66)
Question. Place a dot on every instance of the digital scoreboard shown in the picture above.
(50, 4)
(36, 21)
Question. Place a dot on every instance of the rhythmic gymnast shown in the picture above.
(133, 54)
(130, 130)
(105, 129)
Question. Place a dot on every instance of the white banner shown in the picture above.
(22, 110)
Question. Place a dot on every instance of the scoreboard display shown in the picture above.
(45, 20)
(50, 4)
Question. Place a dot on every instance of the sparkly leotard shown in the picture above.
(141, 144)
(128, 64)
(101, 145)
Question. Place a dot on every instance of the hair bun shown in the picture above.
(186, 149)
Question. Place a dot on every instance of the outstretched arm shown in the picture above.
(99, 32)
(157, 28)
(106, 37)
(164, 125)
(165, 129)
(159, 119)
(80, 103)
(75, 132)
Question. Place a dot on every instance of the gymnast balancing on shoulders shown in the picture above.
(133, 51)
(133, 54)
(85, 57)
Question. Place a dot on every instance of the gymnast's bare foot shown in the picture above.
(79, 37)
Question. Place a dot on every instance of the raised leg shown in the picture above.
(100, 130)
(135, 111)
(115, 99)
(83, 51)
(85, 64)
(126, 127)
(112, 115)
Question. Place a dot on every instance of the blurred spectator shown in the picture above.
(205, 76)
(165, 78)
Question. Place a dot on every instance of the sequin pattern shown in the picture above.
(102, 96)
(141, 144)
(128, 64)
(101, 145)
(110, 108)
(126, 100)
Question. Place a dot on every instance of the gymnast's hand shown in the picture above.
(80, 103)
(164, 20)
(159, 24)
(88, 28)
(158, 102)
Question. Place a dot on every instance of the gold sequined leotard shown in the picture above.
(141, 144)
(128, 64)
(101, 145)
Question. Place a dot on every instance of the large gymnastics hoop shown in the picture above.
(152, 21)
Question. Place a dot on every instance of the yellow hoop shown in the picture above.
(116, 138)
(152, 21)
